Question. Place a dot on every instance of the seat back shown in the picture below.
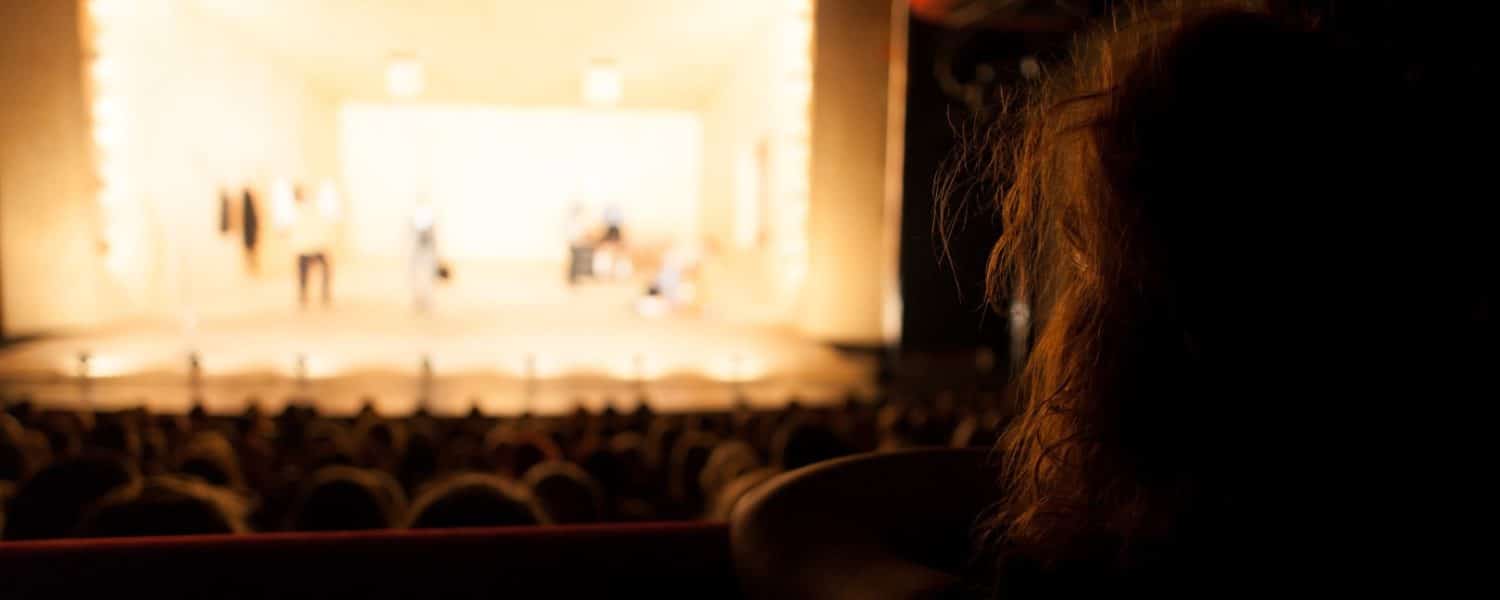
(596, 561)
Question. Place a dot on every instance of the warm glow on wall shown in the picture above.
(500, 180)
(748, 196)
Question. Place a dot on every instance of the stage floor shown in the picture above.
(506, 344)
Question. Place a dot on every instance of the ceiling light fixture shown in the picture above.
(602, 83)
(405, 77)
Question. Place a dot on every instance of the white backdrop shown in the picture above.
(501, 179)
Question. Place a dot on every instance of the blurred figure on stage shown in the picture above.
(424, 259)
(671, 288)
(610, 259)
(578, 230)
(614, 222)
(311, 232)
(250, 229)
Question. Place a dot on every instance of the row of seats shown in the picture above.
(653, 560)
(83, 474)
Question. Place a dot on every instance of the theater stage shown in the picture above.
(504, 339)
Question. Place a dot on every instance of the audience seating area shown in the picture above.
(106, 475)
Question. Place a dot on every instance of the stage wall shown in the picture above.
(192, 109)
(204, 109)
(739, 125)
(44, 172)
(501, 179)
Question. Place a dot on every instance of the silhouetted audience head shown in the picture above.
(661, 437)
(51, 503)
(15, 465)
(722, 505)
(210, 457)
(631, 477)
(605, 467)
(629, 448)
(729, 460)
(513, 451)
(688, 460)
(641, 417)
(175, 428)
(801, 442)
(64, 431)
(419, 464)
(117, 434)
(24, 409)
(462, 449)
(166, 505)
(381, 442)
(329, 442)
(11, 429)
(340, 498)
(474, 500)
(15, 460)
(565, 492)
(7, 489)
(142, 474)
(156, 451)
(977, 431)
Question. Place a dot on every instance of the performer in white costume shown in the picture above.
(311, 233)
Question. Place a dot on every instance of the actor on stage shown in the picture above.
(577, 230)
(311, 232)
(424, 259)
(610, 258)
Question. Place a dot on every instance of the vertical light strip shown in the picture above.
(891, 305)
(790, 148)
(109, 113)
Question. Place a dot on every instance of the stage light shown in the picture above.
(108, 109)
(109, 137)
(105, 71)
(109, 128)
(405, 77)
(89, 365)
(602, 84)
(109, 115)
(107, 9)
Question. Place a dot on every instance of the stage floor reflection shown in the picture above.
(503, 345)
